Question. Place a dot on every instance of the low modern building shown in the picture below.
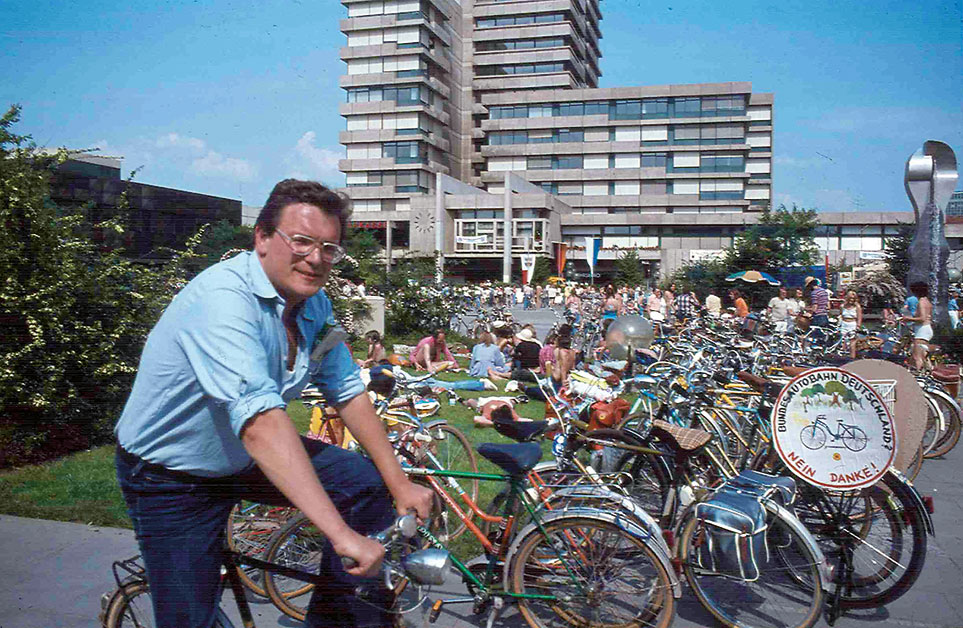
(160, 217)
(955, 206)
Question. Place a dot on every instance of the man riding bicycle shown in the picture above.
(205, 425)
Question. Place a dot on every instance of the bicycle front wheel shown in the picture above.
(787, 594)
(450, 450)
(882, 528)
(590, 573)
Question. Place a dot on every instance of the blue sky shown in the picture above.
(228, 97)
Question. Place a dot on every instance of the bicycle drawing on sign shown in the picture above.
(814, 436)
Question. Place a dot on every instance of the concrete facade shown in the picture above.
(478, 89)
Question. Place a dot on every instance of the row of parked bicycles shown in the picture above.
(649, 476)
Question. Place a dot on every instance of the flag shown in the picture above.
(561, 249)
(528, 268)
(592, 248)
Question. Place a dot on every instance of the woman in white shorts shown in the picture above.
(923, 330)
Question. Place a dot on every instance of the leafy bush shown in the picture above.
(412, 306)
(950, 342)
(74, 312)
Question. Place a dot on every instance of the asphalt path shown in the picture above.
(55, 573)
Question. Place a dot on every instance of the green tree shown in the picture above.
(628, 269)
(897, 252)
(544, 268)
(703, 276)
(221, 239)
(783, 237)
(362, 247)
(74, 313)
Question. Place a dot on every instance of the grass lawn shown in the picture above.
(82, 487)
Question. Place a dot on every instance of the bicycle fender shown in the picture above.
(793, 522)
(624, 523)
(916, 500)
(626, 503)
(942, 394)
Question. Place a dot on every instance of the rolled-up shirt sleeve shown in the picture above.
(336, 376)
(224, 348)
(339, 378)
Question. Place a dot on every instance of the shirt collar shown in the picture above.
(262, 286)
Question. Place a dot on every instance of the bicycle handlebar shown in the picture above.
(405, 526)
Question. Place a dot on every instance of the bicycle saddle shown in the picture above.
(685, 440)
(520, 431)
(793, 371)
(763, 385)
(516, 459)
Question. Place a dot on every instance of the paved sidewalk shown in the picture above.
(55, 573)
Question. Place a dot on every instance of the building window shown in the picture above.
(654, 160)
(626, 110)
(519, 44)
(519, 20)
(520, 68)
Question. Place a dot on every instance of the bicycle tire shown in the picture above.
(650, 475)
(934, 423)
(787, 594)
(891, 533)
(132, 607)
(915, 464)
(603, 548)
(297, 544)
(954, 425)
(249, 531)
(461, 457)
(808, 437)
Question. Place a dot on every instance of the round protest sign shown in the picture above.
(833, 430)
(905, 399)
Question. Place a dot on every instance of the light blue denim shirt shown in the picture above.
(218, 357)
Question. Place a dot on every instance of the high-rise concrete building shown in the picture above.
(444, 95)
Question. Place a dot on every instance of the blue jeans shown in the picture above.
(180, 523)
(465, 384)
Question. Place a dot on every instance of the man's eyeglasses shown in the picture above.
(302, 246)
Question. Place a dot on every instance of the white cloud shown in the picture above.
(214, 164)
(205, 161)
(315, 162)
(799, 162)
(175, 140)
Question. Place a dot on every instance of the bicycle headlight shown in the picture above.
(427, 566)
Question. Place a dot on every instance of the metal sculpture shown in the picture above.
(930, 179)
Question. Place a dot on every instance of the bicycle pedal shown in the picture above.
(435, 612)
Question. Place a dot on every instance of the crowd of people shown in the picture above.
(791, 309)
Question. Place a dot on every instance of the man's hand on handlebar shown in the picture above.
(414, 497)
(360, 555)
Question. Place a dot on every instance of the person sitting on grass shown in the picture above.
(376, 350)
(432, 354)
(487, 360)
(525, 358)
